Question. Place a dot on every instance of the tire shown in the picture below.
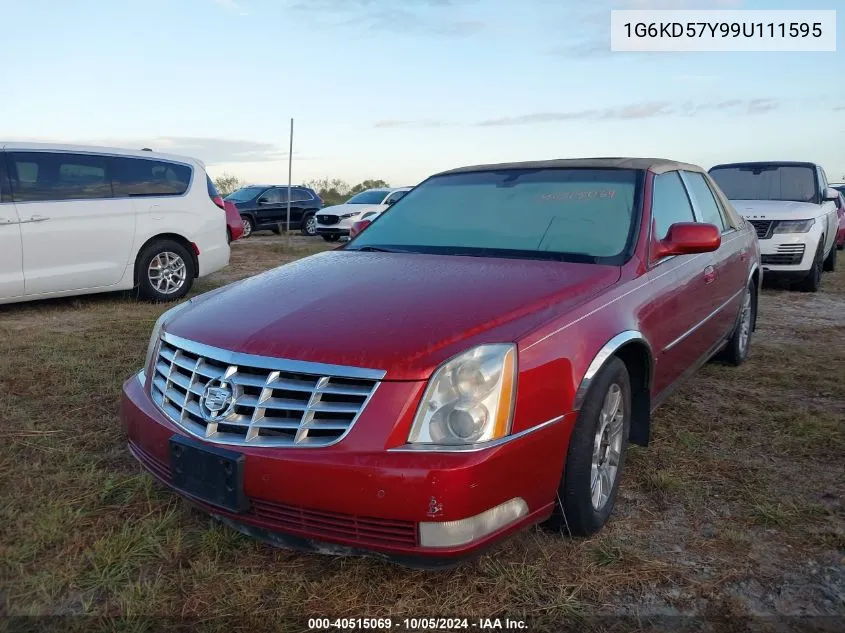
(309, 225)
(736, 351)
(594, 435)
(813, 280)
(830, 262)
(331, 238)
(164, 271)
(249, 226)
(277, 230)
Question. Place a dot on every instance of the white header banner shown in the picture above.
(722, 31)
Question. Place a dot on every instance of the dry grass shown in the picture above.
(736, 508)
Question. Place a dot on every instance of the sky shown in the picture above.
(401, 89)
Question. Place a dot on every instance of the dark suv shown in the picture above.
(266, 207)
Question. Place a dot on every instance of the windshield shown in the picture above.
(245, 194)
(371, 196)
(566, 214)
(793, 183)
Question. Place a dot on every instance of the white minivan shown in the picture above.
(79, 220)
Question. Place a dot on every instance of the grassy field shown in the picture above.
(737, 508)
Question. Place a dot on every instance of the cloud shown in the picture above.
(839, 108)
(645, 110)
(231, 5)
(431, 17)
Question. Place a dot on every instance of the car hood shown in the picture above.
(340, 209)
(776, 209)
(397, 312)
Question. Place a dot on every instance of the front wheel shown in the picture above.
(596, 455)
(165, 271)
(249, 226)
(830, 261)
(813, 281)
(309, 226)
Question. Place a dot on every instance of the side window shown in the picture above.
(395, 197)
(41, 176)
(5, 190)
(299, 195)
(140, 177)
(704, 200)
(272, 196)
(669, 203)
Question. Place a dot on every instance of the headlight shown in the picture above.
(164, 318)
(793, 226)
(350, 215)
(469, 399)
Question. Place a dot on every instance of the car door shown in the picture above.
(728, 265)
(74, 234)
(270, 208)
(11, 248)
(830, 216)
(680, 286)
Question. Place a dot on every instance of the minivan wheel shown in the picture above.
(596, 454)
(249, 225)
(309, 226)
(830, 261)
(165, 271)
(813, 280)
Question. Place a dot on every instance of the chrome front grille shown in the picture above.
(232, 398)
(327, 220)
(763, 228)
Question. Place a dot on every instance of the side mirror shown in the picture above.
(357, 227)
(830, 194)
(688, 238)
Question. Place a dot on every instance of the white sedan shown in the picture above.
(334, 222)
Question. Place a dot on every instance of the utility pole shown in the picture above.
(290, 180)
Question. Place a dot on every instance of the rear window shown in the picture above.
(793, 183)
(586, 215)
(139, 177)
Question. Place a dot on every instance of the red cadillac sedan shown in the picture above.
(490, 349)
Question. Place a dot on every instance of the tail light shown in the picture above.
(219, 202)
(212, 193)
(358, 226)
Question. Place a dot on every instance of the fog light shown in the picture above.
(463, 531)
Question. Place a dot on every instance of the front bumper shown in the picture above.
(367, 500)
(322, 230)
(788, 253)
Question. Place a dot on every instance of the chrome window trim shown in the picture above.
(470, 448)
(272, 363)
(703, 321)
(601, 358)
(192, 167)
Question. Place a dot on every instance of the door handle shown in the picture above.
(709, 274)
(6, 221)
(35, 218)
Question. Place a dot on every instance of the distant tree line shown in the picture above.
(331, 190)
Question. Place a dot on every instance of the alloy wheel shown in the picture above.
(167, 272)
(607, 447)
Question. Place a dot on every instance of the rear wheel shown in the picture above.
(249, 226)
(738, 346)
(830, 261)
(596, 453)
(813, 280)
(331, 238)
(309, 225)
(165, 271)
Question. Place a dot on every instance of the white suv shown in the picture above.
(792, 208)
(334, 222)
(79, 220)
